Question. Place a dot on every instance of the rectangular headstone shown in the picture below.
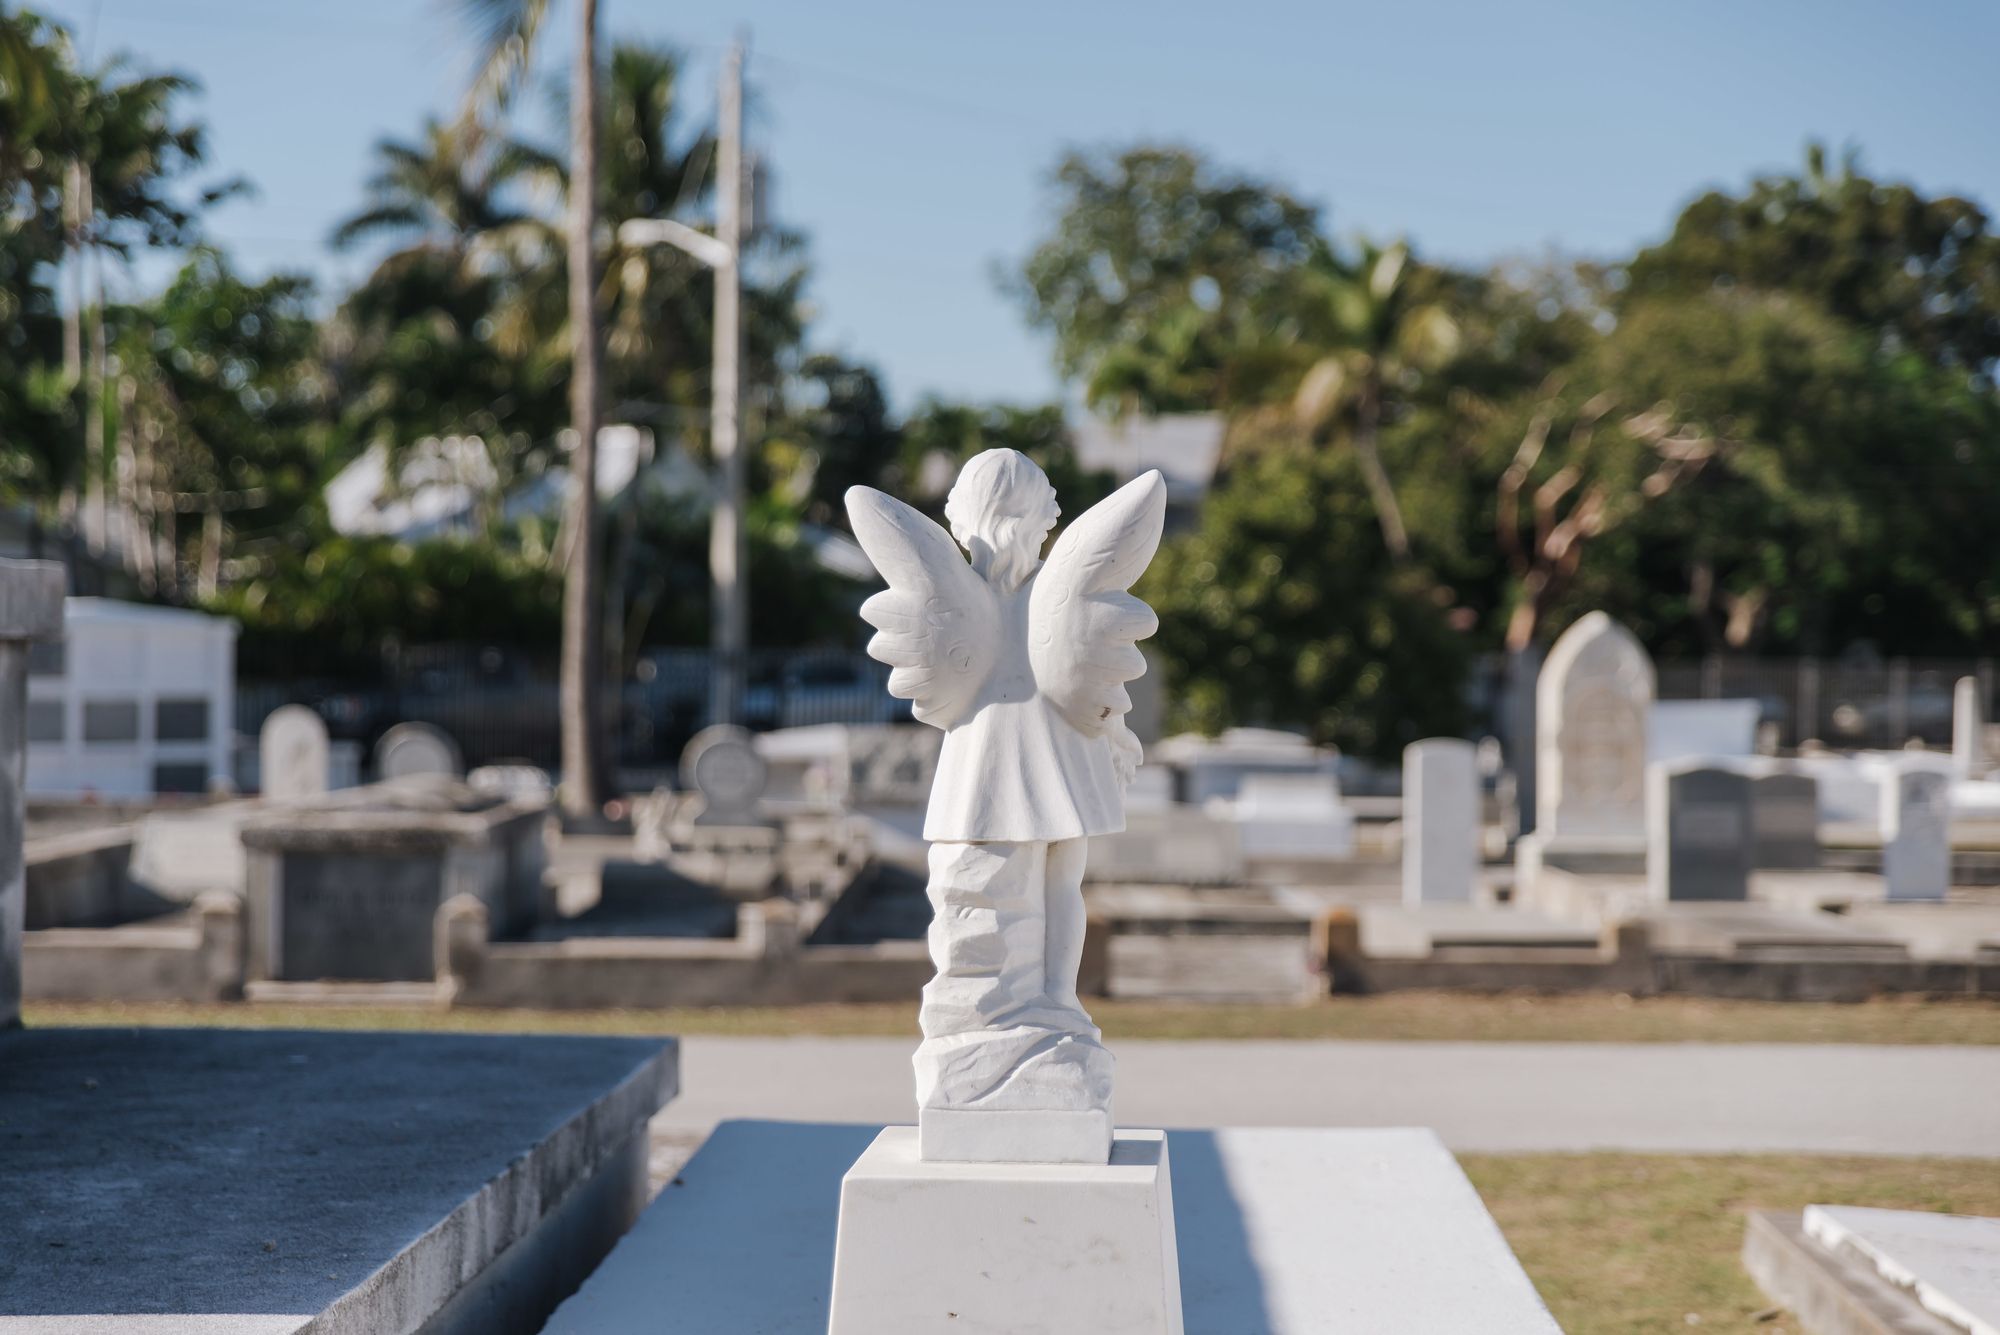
(1968, 730)
(1698, 835)
(1441, 825)
(1784, 821)
(1916, 834)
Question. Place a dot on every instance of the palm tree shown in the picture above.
(1365, 327)
(448, 193)
(506, 31)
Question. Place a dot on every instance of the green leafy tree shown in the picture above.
(226, 415)
(940, 436)
(440, 339)
(1364, 328)
(1744, 471)
(90, 162)
(836, 432)
(1283, 608)
(1158, 269)
(1922, 272)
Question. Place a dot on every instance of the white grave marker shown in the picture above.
(293, 755)
(1591, 706)
(1916, 834)
(417, 748)
(1441, 825)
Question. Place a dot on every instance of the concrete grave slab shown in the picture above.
(1733, 929)
(1829, 1292)
(1935, 931)
(1949, 1263)
(1279, 1232)
(268, 1181)
(1396, 931)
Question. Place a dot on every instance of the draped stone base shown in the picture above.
(1011, 1068)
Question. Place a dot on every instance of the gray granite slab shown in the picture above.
(242, 1180)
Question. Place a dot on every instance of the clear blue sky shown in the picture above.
(911, 141)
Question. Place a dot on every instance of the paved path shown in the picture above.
(1478, 1096)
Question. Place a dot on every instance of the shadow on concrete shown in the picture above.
(743, 1240)
(1222, 1290)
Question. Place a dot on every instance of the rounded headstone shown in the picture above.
(293, 754)
(1591, 704)
(724, 766)
(417, 748)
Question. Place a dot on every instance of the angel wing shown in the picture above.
(1082, 624)
(938, 625)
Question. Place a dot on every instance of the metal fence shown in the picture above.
(1869, 703)
(501, 704)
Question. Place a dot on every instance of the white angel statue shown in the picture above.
(1023, 664)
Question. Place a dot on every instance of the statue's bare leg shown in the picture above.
(1063, 953)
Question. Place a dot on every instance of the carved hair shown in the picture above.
(1001, 510)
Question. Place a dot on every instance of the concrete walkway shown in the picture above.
(1477, 1096)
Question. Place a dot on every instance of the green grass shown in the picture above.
(1631, 1243)
(1415, 1016)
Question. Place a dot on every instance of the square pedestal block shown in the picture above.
(1061, 1249)
(1014, 1135)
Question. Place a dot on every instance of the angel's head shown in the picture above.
(1001, 510)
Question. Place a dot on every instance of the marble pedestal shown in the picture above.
(1015, 1135)
(1063, 1249)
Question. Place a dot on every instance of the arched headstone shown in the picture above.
(417, 748)
(1591, 706)
(725, 767)
(293, 754)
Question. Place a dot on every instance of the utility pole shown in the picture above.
(728, 550)
(97, 526)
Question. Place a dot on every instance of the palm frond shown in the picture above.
(504, 33)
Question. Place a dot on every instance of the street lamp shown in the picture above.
(728, 559)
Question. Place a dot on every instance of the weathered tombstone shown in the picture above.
(293, 754)
(1699, 833)
(1591, 706)
(1441, 825)
(31, 608)
(1784, 821)
(417, 748)
(1916, 834)
(1968, 730)
(725, 766)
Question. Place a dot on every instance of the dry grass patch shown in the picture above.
(1411, 1016)
(1650, 1242)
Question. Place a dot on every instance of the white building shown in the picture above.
(133, 700)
